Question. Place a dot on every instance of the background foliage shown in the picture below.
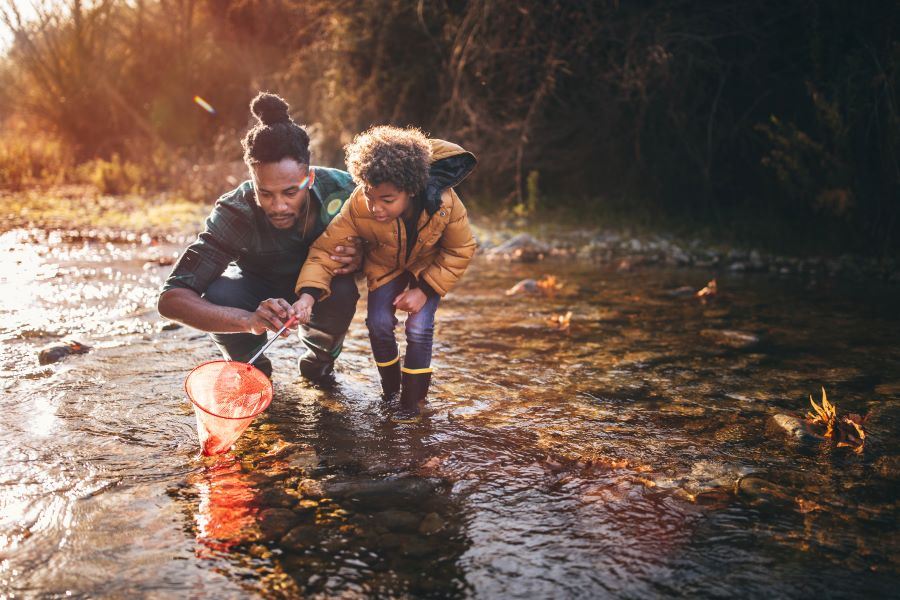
(771, 118)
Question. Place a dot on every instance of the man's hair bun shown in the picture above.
(270, 109)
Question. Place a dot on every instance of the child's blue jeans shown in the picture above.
(381, 322)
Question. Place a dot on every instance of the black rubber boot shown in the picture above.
(318, 373)
(413, 391)
(390, 380)
(265, 365)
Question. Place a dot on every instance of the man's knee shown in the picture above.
(344, 291)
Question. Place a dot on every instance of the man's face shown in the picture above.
(386, 202)
(282, 190)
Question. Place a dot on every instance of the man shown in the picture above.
(236, 280)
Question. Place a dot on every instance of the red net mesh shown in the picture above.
(230, 390)
(226, 396)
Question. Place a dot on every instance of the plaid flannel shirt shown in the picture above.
(238, 232)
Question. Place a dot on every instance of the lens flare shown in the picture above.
(204, 105)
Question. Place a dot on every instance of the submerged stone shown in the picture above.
(432, 523)
(275, 497)
(795, 427)
(275, 522)
(57, 352)
(310, 488)
(398, 520)
(300, 537)
(730, 338)
(759, 491)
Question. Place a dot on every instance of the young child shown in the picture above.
(418, 244)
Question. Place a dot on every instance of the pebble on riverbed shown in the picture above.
(795, 427)
(57, 352)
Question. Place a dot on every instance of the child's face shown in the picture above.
(386, 202)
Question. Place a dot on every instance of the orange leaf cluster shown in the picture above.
(549, 285)
(561, 322)
(711, 289)
(847, 431)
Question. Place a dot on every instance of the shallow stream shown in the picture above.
(629, 454)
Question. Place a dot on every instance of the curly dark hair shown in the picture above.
(386, 154)
(276, 136)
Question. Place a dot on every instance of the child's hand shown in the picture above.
(303, 308)
(411, 300)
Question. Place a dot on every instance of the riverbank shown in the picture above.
(81, 212)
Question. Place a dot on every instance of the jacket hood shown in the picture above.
(450, 164)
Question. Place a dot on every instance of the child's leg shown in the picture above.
(417, 363)
(381, 321)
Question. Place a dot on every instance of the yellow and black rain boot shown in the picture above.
(390, 377)
(413, 391)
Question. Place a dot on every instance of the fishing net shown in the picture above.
(226, 395)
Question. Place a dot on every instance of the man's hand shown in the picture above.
(270, 315)
(411, 301)
(303, 308)
(350, 255)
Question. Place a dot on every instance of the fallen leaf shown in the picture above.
(711, 289)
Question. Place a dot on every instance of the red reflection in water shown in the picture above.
(226, 515)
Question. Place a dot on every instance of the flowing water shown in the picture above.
(630, 454)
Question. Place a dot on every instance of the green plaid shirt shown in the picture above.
(238, 232)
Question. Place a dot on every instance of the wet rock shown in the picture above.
(275, 497)
(522, 247)
(306, 507)
(683, 291)
(310, 488)
(397, 520)
(888, 467)
(761, 492)
(259, 551)
(384, 490)
(526, 286)
(169, 326)
(300, 537)
(795, 427)
(432, 523)
(276, 522)
(57, 352)
(730, 338)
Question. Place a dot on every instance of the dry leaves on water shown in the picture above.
(710, 291)
(847, 431)
(561, 322)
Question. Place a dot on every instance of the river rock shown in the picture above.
(795, 427)
(888, 389)
(761, 492)
(275, 522)
(300, 537)
(526, 286)
(432, 523)
(275, 497)
(522, 247)
(310, 488)
(57, 352)
(411, 488)
(397, 520)
(169, 326)
(731, 338)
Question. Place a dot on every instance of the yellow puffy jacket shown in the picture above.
(441, 253)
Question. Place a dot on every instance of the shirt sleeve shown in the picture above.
(206, 259)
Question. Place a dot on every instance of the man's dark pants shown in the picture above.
(323, 336)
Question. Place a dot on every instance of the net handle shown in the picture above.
(290, 322)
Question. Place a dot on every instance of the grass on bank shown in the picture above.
(82, 207)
